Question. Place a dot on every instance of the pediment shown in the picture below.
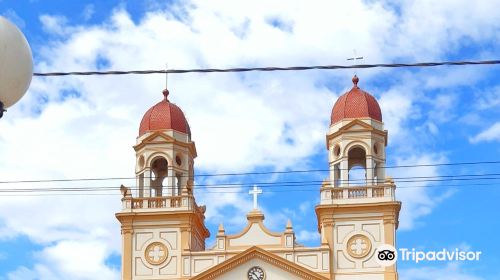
(274, 267)
(255, 233)
(158, 136)
(356, 125)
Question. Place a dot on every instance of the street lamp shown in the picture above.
(16, 64)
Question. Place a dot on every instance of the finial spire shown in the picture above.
(165, 94)
(166, 75)
(221, 228)
(355, 80)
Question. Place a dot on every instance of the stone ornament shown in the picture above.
(156, 253)
(358, 246)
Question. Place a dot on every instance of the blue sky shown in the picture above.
(73, 127)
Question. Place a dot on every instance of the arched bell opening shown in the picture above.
(356, 166)
(159, 174)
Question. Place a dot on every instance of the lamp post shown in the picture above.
(16, 64)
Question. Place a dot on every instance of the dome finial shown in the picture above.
(165, 93)
(355, 80)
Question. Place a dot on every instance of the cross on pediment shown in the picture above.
(255, 192)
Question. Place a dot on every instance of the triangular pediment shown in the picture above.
(158, 136)
(356, 125)
(274, 267)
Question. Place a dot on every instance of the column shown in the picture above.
(140, 185)
(127, 252)
(171, 179)
(381, 172)
(389, 236)
(332, 174)
(344, 172)
(147, 182)
(369, 170)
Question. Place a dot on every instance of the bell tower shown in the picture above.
(357, 211)
(160, 220)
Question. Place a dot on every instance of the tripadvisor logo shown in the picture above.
(388, 255)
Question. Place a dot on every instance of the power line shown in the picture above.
(250, 173)
(281, 184)
(269, 69)
(241, 191)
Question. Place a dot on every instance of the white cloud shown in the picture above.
(489, 99)
(451, 271)
(53, 24)
(88, 11)
(12, 16)
(307, 235)
(22, 273)
(490, 134)
(417, 200)
(69, 260)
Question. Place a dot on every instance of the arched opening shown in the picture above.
(159, 168)
(357, 166)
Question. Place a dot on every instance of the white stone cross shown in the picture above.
(157, 253)
(359, 246)
(256, 191)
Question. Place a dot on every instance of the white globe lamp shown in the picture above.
(16, 64)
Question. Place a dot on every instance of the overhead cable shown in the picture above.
(268, 69)
(247, 173)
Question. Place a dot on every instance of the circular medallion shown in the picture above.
(358, 246)
(156, 253)
(256, 273)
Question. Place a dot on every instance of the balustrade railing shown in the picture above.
(384, 192)
(357, 192)
(158, 202)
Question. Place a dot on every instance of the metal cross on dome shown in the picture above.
(355, 58)
(166, 76)
(255, 192)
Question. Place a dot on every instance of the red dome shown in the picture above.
(164, 115)
(356, 103)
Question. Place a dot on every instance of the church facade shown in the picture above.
(163, 228)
